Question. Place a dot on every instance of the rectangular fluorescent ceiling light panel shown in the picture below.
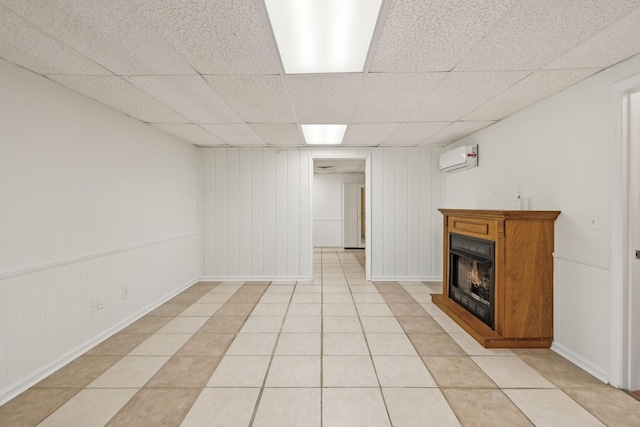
(323, 134)
(323, 36)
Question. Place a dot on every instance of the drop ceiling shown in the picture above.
(209, 72)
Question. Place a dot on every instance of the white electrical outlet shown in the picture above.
(125, 292)
(100, 303)
(594, 221)
(93, 305)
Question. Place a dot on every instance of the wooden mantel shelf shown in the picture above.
(523, 296)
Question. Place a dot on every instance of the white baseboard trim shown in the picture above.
(581, 362)
(255, 278)
(406, 278)
(18, 387)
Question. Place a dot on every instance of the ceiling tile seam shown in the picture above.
(64, 44)
(486, 34)
(162, 37)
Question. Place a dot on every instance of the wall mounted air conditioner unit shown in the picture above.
(459, 159)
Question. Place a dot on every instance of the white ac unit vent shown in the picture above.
(459, 159)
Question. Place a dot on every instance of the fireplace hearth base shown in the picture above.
(523, 288)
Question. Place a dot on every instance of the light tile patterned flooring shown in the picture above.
(336, 351)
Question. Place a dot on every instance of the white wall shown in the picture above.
(328, 212)
(559, 150)
(257, 218)
(91, 201)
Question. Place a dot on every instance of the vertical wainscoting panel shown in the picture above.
(257, 212)
(406, 226)
(209, 209)
(377, 213)
(259, 209)
(582, 314)
(46, 318)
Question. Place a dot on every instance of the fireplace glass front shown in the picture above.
(471, 276)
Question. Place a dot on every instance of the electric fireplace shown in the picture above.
(498, 275)
(471, 279)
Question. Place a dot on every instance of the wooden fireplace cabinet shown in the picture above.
(523, 271)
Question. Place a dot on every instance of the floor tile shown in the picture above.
(420, 325)
(305, 309)
(561, 372)
(299, 298)
(368, 299)
(130, 372)
(613, 407)
(362, 289)
(298, 345)
(273, 298)
(119, 344)
(289, 407)
(235, 310)
(551, 408)
(155, 407)
(457, 371)
(381, 324)
(348, 371)
(245, 298)
(168, 309)
(347, 309)
(447, 324)
(221, 407)
(473, 347)
(269, 309)
(294, 371)
(402, 371)
(344, 298)
(184, 372)
(161, 345)
(146, 325)
(201, 310)
(353, 407)
(34, 405)
(80, 372)
(374, 310)
(240, 371)
(484, 407)
(436, 345)
(214, 298)
(202, 344)
(222, 325)
(259, 324)
(253, 345)
(90, 407)
(418, 407)
(295, 324)
(341, 324)
(344, 344)
(183, 325)
(511, 372)
(390, 345)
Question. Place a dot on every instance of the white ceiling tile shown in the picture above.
(258, 99)
(536, 32)
(191, 133)
(461, 93)
(24, 44)
(278, 133)
(402, 94)
(612, 45)
(528, 91)
(410, 134)
(190, 96)
(238, 135)
(121, 95)
(216, 36)
(421, 35)
(112, 33)
(370, 135)
(324, 98)
(456, 131)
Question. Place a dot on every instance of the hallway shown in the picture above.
(335, 351)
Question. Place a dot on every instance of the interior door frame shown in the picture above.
(622, 368)
(345, 154)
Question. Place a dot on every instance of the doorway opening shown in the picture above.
(633, 107)
(341, 204)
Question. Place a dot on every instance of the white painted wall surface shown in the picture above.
(328, 212)
(559, 150)
(257, 220)
(91, 201)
